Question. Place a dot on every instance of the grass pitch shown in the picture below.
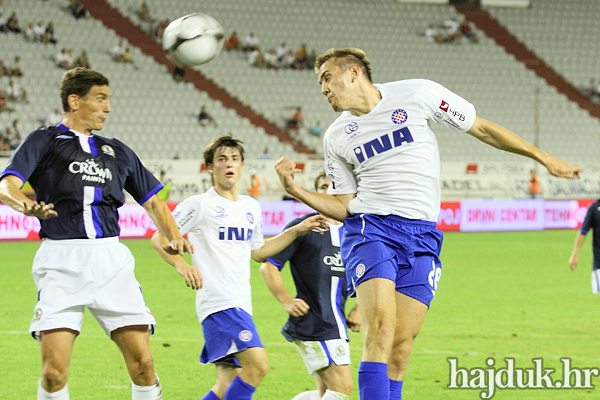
(504, 294)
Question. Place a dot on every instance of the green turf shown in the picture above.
(501, 295)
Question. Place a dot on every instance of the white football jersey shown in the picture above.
(223, 233)
(389, 157)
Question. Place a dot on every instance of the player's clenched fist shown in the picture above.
(286, 169)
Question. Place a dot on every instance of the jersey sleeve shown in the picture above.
(445, 109)
(588, 222)
(28, 155)
(339, 173)
(140, 183)
(286, 254)
(257, 241)
(187, 214)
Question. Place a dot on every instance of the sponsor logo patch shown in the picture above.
(37, 315)
(399, 116)
(250, 217)
(106, 149)
(245, 335)
(360, 270)
(351, 128)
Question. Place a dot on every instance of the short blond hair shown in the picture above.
(344, 58)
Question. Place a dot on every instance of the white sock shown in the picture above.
(62, 394)
(331, 395)
(153, 392)
(311, 395)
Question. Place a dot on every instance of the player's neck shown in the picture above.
(228, 193)
(365, 100)
(70, 122)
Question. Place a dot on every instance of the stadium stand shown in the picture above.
(503, 89)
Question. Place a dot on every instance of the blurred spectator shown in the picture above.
(3, 69)
(288, 60)
(3, 144)
(16, 93)
(468, 32)
(316, 130)
(591, 90)
(254, 190)
(83, 61)
(13, 24)
(77, 9)
(15, 69)
(295, 121)
(205, 118)
(281, 51)
(54, 118)
(4, 102)
(3, 27)
(127, 59)
(534, 188)
(310, 60)
(271, 60)
(432, 35)
(178, 74)
(38, 32)
(13, 136)
(453, 33)
(300, 58)
(250, 43)
(48, 36)
(163, 193)
(29, 33)
(160, 29)
(63, 59)
(233, 42)
(118, 51)
(265, 154)
(144, 13)
(256, 59)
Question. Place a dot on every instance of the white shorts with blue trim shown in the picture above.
(320, 354)
(95, 273)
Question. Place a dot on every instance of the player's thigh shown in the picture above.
(377, 304)
(410, 315)
(56, 347)
(337, 378)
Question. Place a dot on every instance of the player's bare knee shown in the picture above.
(53, 378)
(142, 371)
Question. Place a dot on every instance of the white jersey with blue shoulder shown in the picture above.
(389, 157)
(223, 233)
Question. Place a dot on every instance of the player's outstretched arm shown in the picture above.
(332, 206)
(192, 276)
(277, 243)
(574, 259)
(272, 277)
(162, 218)
(503, 139)
(11, 195)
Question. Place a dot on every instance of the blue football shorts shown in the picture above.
(228, 332)
(402, 250)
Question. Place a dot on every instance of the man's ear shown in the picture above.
(73, 101)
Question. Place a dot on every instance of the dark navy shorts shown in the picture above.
(228, 332)
(402, 250)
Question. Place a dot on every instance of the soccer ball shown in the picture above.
(193, 40)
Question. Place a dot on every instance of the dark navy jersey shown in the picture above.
(84, 177)
(592, 221)
(319, 277)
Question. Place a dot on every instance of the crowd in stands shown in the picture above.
(10, 137)
(451, 31)
(280, 58)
